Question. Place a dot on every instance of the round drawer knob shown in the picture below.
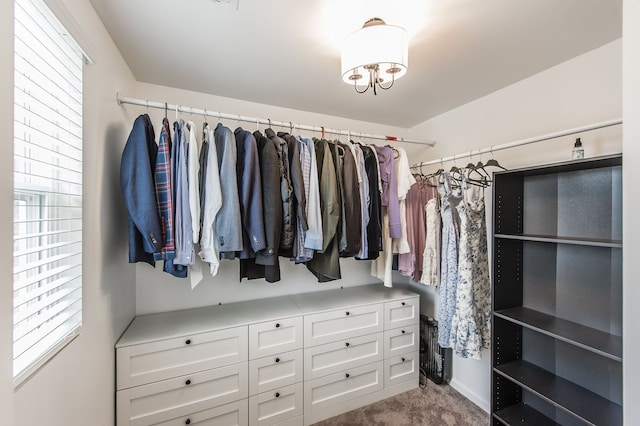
(403, 303)
(347, 375)
(277, 394)
(347, 313)
(188, 342)
(403, 331)
(188, 382)
(347, 344)
(402, 359)
(277, 325)
(277, 359)
(187, 422)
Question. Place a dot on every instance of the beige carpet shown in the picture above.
(435, 405)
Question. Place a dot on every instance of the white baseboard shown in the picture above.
(471, 395)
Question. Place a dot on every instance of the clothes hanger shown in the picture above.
(468, 170)
(493, 162)
(470, 166)
(427, 178)
(437, 172)
(205, 126)
(396, 153)
(478, 169)
(454, 168)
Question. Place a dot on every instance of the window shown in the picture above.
(47, 190)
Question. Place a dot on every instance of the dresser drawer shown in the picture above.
(342, 355)
(401, 340)
(155, 361)
(275, 406)
(232, 414)
(324, 392)
(342, 324)
(295, 421)
(272, 337)
(401, 368)
(275, 371)
(159, 401)
(401, 313)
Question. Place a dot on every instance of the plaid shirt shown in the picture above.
(303, 254)
(163, 193)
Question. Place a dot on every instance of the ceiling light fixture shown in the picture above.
(378, 49)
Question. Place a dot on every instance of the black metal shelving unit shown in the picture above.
(557, 294)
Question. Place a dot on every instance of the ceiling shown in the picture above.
(287, 52)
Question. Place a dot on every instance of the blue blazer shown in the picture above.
(138, 188)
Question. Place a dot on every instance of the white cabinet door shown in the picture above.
(401, 368)
(272, 337)
(401, 340)
(401, 313)
(275, 406)
(233, 414)
(159, 401)
(275, 371)
(342, 324)
(155, 361)
(342, 355)
(322, 393)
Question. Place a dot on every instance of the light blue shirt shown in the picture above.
(228, 224)
(185, 253)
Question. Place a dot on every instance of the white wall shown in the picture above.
(631, 210)
(158, 291)
(581, 91)
(77, 385)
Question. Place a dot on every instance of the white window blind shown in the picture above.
(47, 165)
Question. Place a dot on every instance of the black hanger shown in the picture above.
(494, 163)
(454, 168)
(396, 153)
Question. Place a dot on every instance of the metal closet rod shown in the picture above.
(267, 122)
(514, 144)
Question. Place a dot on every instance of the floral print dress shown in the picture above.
(470, 325)
(450, 233)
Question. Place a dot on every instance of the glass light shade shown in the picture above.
(385, 45)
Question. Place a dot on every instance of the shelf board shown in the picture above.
(597, 242)
(523, 414)
(590, 163)
(600, 342)
(575, 400)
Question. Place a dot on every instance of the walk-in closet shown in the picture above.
(285, 213)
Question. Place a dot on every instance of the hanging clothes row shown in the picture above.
(448, 249)
(256, 197)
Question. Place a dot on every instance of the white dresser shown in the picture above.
(291, 360)
(361, 345)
